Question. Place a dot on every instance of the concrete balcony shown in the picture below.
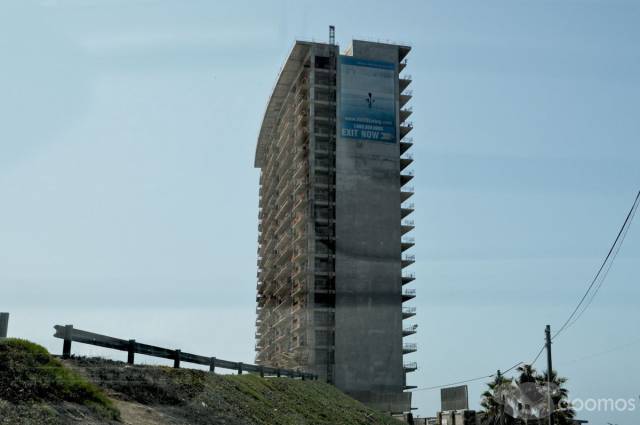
(410, 330)
(408, 278)
(408, 294)
(405, 144)
(404, 81)
(410, 367)
(406, 226)
(405, 128)
(409, 387)
(405, 97)
(408, 260)
(408, 312)
(409, 347)
(406, 177)
(406, 193)
(402, 65)
(407, 209)
(405, 161)
(407, 243)
(405, 113)
(403, 51)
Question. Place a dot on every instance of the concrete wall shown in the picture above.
(368, 334)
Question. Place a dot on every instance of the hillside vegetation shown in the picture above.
(36, 388)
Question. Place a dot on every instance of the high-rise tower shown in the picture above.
(332, 151)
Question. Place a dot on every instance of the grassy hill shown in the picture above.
(36, 388)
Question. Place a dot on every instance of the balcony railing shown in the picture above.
(410, 258)
(408, 277)
(408, 294)
(408, 310)
(410, 367)
(409, 347)
(410, 329)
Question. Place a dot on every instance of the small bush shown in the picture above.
(28, 373)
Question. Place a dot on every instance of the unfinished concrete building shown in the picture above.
(332, 152)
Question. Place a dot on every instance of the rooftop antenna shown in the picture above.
(332, 35)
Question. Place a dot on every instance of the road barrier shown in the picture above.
(4, 324)
(68, 333)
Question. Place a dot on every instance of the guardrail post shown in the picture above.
(131, 351)
(239, 368)
(4, 324)
(66, 346)
(278, 372)
(212, 364)
(262, 371)
(176, 359)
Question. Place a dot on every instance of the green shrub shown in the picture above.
(28, 373)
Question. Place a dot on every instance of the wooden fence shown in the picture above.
(68, 333)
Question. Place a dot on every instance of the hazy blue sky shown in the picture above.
(128, 197)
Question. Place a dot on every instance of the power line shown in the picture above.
(606, 272)
(604, 263)
(602, 353)
(599, 277)
(437, 387)
(539, 354)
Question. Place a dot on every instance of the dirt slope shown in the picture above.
(152, 395)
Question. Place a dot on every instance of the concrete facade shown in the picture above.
(330, 257)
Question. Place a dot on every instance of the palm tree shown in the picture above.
(492, 405)
(527, 373)
(563, 412)
(529, 394)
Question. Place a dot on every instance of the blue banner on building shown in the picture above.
(367, 100)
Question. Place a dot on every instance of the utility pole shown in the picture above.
(551, 407)
(502, 399)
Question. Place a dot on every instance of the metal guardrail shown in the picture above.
(68, 333)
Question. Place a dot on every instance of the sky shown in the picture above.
(128, 197)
